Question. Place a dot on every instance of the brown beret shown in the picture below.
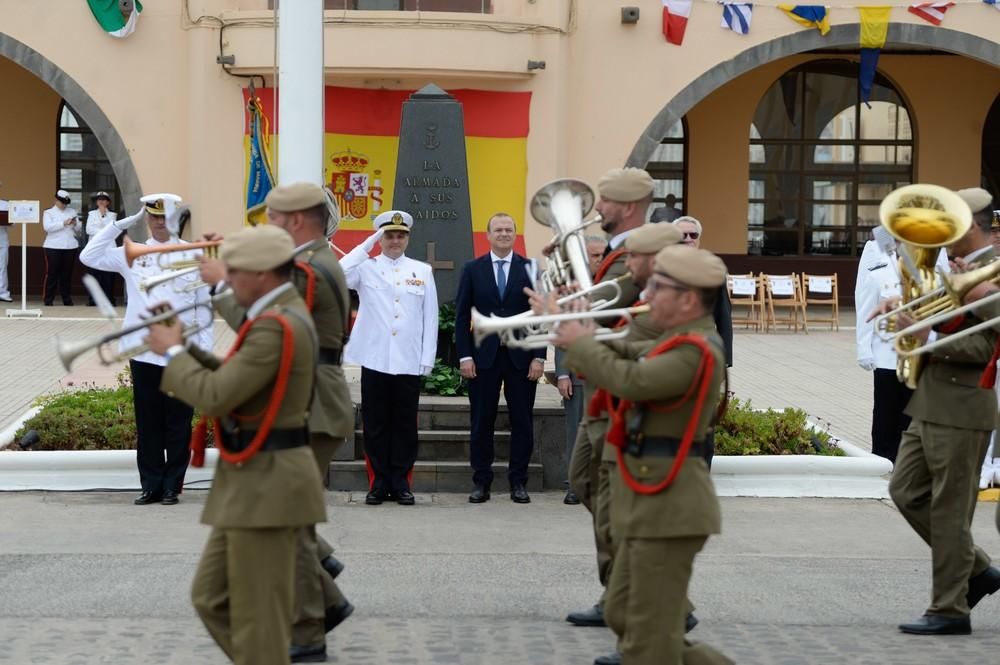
(690, 266)
(294, 197)
(257, 248)
(625, 185)
(651, 238)
(977, 198)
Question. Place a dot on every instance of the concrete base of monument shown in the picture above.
(858, 475)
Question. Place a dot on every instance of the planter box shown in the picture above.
(85, 470)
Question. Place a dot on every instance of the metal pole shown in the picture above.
(300, 91)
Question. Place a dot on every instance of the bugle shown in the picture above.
(134, 250)
(70, 350)
(507, 329)
(150, 283)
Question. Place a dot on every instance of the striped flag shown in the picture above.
(114, 18)
(932, 12)
(736, 16)
(675, 19)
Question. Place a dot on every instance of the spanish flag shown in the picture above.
(809, 16)
(362, 139)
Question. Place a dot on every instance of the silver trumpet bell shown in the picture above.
(535, 332)
(562, 205)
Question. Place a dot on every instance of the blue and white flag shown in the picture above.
(736, 16)
(996, 5)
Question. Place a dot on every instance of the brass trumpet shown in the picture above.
(134, 250)
(483, 326)
(150, 283)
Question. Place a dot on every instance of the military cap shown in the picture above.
(102, 195)
(691, 267)
(977, 198)
(394, 220)
(651, 238)
(63, 196)
(625, 185)
(295, 196)
(257, 248)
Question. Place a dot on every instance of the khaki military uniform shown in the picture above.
(657, 536)
(244, 586)
(331, 419)
(935, 480)
(585, 462)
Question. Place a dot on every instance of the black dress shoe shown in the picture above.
(313, 654)
(571, 499)
(481, 494)
(48, 303)
(405, 498)
(67, 303)
(982, 585)
(147, 498)
(935, 624)
(332, 566)
(593, 616)
(376, 497)
(611, 659)
(690, 621)
(169, 498)
(519, 495)
(335, 615)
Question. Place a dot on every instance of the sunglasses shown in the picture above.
(694, 235)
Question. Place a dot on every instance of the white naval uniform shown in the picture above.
(397, 325)
(4, 251)
(101, 253)
(57, 235)
(96, 222)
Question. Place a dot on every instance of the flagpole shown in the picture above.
(300, 91)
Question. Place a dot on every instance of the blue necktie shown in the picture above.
(501, 278)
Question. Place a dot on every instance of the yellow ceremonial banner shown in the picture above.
(874, 26)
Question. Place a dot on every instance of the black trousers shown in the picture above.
(58, 274)
(164, 428)
(888, 420)
(107, 282)
(484, 393)
(389, 417)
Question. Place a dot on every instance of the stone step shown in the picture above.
(431, 476)
(446, 445)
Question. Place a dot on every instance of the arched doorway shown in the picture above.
(991, 152)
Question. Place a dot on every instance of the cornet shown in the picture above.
(483, 326)
(134, 250)
(150, 283)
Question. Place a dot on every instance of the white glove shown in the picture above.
(370, 241)
(425, 370)
(867, 364)
(123, 224)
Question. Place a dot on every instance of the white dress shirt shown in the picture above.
(57, 234)
(617, 240)
(397, 325)
(102, 254)
(96, 221)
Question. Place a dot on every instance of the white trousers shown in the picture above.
(4, 250)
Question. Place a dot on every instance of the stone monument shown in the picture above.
(432, 184)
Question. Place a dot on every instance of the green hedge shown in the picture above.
(744, 430)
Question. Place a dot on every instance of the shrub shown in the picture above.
(744, 430)
(444, 380)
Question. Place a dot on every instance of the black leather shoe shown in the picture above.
(519, 495)
(593, 616)
(67, 303)
(313, 654)
(935, 624)
(405, 498)
(571, 498)
(147, 498)
(481, 494)
(690, 621)
(335, 615)
(332, 566)
(611, 659)
(376, 497)
(982, 585)
(169, 498)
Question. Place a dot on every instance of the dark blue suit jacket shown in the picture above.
(478, 288)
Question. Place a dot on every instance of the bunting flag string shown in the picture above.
(874, 29)
(932, 12)
(809, 16)
(736, 16)
(675, 18)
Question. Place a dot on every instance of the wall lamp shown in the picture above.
(535, 64)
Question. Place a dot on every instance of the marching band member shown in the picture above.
(163, 424)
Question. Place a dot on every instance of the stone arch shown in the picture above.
(952, 41)
(85, 105)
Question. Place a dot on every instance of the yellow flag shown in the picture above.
(874, 26)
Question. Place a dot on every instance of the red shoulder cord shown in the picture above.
(310, 294)
(603, 401)
(989, 378)
(606, 264)
(701, 382)
(270, 413)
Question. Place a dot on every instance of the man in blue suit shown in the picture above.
(494, 284)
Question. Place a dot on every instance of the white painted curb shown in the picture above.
(7, 436)
(75, 470)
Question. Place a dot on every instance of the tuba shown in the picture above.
(924, 218)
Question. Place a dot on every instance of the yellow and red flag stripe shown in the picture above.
(361, 142)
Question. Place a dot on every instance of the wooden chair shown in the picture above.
(747, 291)
(821, 290)
(784, 292)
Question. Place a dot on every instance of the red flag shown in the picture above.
(933, 12)
(675, 19)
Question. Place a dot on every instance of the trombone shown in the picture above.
(70, 350)
(537, 327)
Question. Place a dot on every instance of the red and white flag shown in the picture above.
(675, 19)
(932, 12)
